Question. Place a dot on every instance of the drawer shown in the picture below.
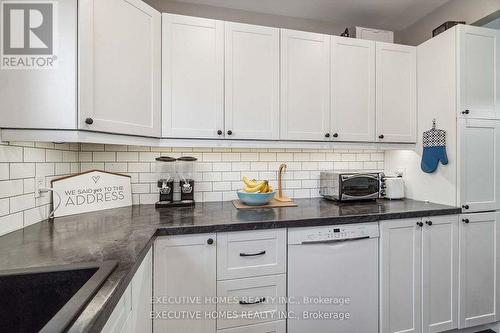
(273, 327)
(263, 295)
(251, 253)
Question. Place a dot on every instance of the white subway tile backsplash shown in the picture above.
(11, 154)
(218, 173)
(22, 170)
(21, 203)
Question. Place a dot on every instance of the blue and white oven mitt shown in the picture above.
(434, 141)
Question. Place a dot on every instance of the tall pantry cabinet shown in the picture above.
(458, 87)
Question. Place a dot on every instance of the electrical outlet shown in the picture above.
(39, 183)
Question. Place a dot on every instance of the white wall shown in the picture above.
(436, 61)
(242, 16)
(469, 11)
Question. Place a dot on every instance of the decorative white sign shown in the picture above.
(91, 191)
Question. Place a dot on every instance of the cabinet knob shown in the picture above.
(429, 223)
(466, 112)
(229, 132)
(219, 132)
(335, 135)
(89, 121)
(465, 206)
(210, 241)
(420, 224)
(327, 135)
(381, 136)
(465, 220)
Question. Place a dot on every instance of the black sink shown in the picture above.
(48, 299)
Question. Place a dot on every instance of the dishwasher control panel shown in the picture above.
(337, 232)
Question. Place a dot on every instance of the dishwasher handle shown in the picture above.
(330, 241)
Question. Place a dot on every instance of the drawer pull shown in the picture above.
(262, 299)
(252, 254)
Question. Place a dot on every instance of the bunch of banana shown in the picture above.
(254, 186)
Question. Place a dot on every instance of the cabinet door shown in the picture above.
(479, 157)
(185, 268)
(478, 73)
(478, 269)
(119, 319)
(193, 77)
(142, 291)
(305, 86)
(400, 276)
(120, 64)
(251, 81)
(440, 273)
(353, 89)
(396, 82)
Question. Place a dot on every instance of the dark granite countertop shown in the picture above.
(127, 234)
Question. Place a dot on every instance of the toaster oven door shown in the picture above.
(360, 186)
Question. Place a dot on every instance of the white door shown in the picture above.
(478, 72)
(251, 81)
(353, 89)
(142, 291)
(193, 77)
(479, 157)
(478, 269)
(440, 273)
(396, 101)
(119, 67)
(305, 85)
(400, 276)
(185, 268)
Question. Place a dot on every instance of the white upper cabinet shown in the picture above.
(479, 156)
(353, 89)
(120, 63)
(478, 73)
(45, 98)
(396, 102)
(193, 77)
(251, 82)
(305, 85)
(479, 301)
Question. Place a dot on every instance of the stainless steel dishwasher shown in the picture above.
(333, 279)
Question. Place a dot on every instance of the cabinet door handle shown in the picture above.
(381, 136)
(327, 135)
(260, 300)
(465, 206)
(420, 224)
(335, 135)
(210, 241)
(89, 121)
(229, 132)
(219, 132)
(466, 112)
(429, 223)
(465, 220)
(252, 254)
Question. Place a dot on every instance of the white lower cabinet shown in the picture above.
(251, 300)
(418, 283)
(133, 311)
(273, 327)
(184, 278)
(479, 299)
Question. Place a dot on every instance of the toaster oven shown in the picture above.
(348, 186)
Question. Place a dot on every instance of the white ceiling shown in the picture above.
(384, 14)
